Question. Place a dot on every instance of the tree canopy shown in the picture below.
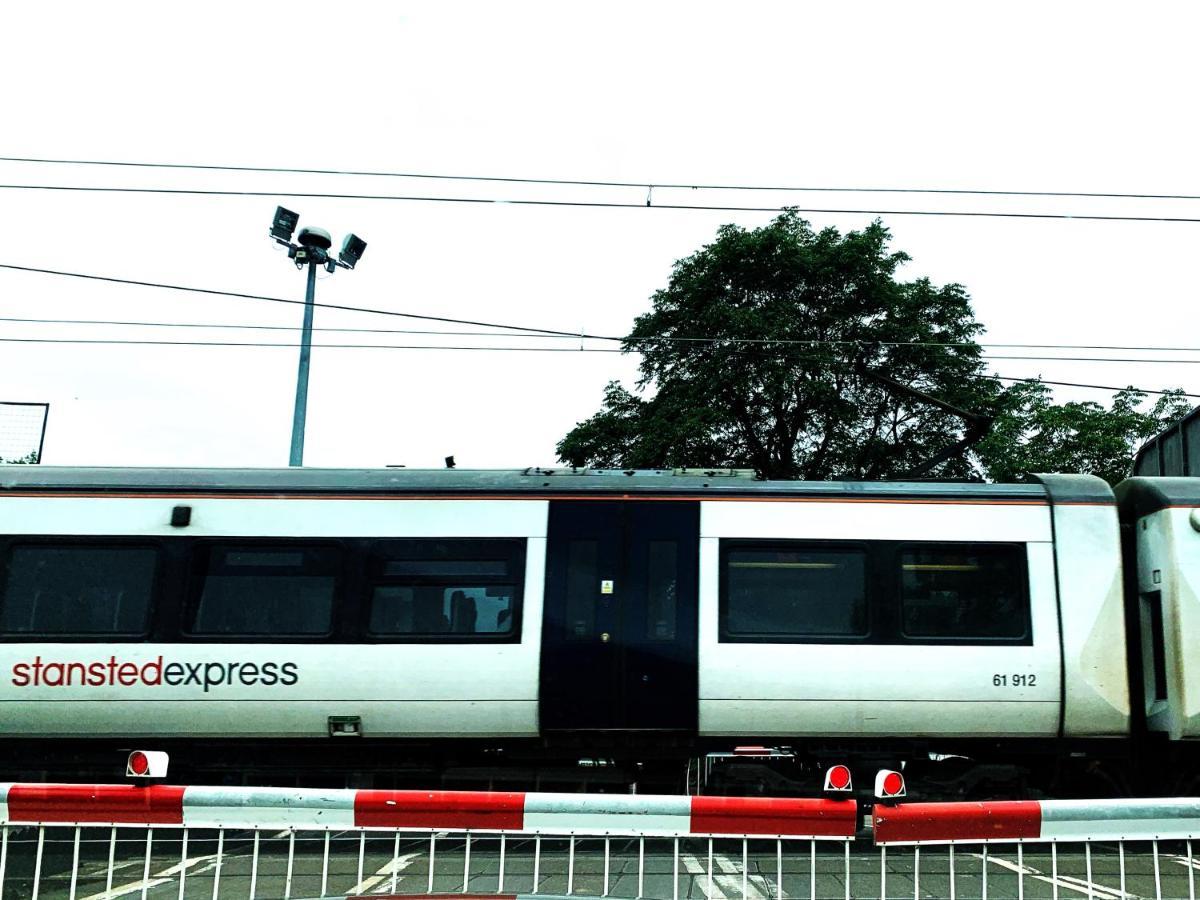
(764, 351)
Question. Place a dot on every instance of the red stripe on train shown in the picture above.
(1001, 820)
(771, 815)
(439, 809)
(124, 803)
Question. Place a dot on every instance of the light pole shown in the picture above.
(311, 249)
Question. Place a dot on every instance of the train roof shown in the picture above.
(532, 481)
(1140, 496)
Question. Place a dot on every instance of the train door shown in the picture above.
(619, 634)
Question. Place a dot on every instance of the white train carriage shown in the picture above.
(589, 611)
(1163, 516)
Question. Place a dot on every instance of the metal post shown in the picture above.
(301, 411)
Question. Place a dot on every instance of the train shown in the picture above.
(675, 630)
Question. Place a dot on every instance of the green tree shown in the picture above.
(1033, 434)
(28, 459)
(752, 357)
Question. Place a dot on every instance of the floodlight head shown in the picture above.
(353, 247)
(315, 238)
(284, 225)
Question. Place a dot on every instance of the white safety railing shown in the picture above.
(109, 841)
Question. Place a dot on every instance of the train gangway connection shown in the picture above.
(102, 842)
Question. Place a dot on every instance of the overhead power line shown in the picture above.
(564, 336)
(494, 349)
(291, 302)
(596, 204)
(516, 330)
(576, 182)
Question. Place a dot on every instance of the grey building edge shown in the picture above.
(520, 482)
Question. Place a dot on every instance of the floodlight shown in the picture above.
(284, 224)
(315, 237)
(353, 247)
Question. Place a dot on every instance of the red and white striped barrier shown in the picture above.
(1038, 820)
(560, 814)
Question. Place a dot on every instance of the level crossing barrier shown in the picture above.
(1101, 849)
(211, 841)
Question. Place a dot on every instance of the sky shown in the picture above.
(1064, 97)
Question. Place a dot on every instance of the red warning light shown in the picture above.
(138, 763)
(889, 785)
(837, 778)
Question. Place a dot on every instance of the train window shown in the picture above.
(444, 589)
(797, 591)
(583, 586)
(77, 589)
(964, 591)
(267, 590)
(661, 591)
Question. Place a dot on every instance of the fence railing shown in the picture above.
(102, 842)
(108, 841)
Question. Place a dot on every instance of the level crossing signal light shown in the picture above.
(147, 764)
(837, 780)
(311, 248)
(889, 785)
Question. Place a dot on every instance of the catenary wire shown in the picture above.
(596, 204)
(575, 182)
(494, 349)
(714, 340)
(529, 331)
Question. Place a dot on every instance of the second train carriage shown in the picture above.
(505, 625)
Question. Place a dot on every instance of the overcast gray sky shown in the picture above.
(1088, 97)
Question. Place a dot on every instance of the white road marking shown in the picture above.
(693, 866)
(1064, 881)
(730, 879)
(166, 876)
(383, 874)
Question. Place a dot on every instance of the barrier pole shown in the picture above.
(951, 872)
(882, 873)
(146, 864)
(641, 865)
(1190, 868)
(1157, 878)
(778, 868)
(112, 852)
(37, 866)
(537, 863)
(217, 870)
(674, 872)
(287, 884)
(570, 867)
(432, 852)
(74, 865)
(1121, 861)
(917, 873)
(183, 863)
(325, 866)
(710, 875)
(745, 869)
(984, 870)
(362, 852)
(467, 863)
(500, 883)
(1054, 868)
(254, 866)
(846, 854)
(4, 857)
(1021, 872)
(1087, 857)
(395, 861)
(812, 870)
(606, 849)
